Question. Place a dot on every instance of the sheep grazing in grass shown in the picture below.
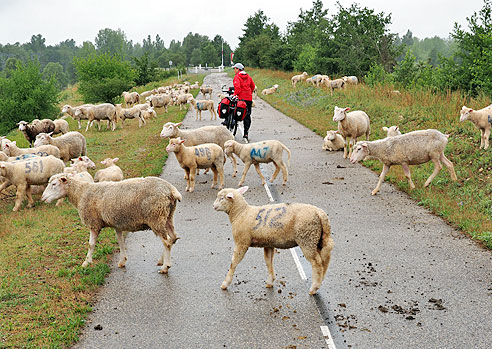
(11, 149)
(131, 98)
(269, 91)
(31, 171)
(131, 205)
(480, 119)
(204, 105)
(104, 111)
(195, 85)
(333, 84)
(260, 152)
(112, 172)
(148, 113)
(413, 148)
(71, 111)
(391, 131)
(296, 78)
(183, 99)
(351, 80)
(351, 126)
(71, 144)
(333, 141)
(30, 131)
(277, 226)
(148, 93)
(129, 113)
(159, 101)
(208, 155)
(206, 90)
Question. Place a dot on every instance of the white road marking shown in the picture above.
(298, 264)
(329, 340)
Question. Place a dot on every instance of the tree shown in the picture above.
(196, 57)
(210, 55)
(103, 77)
(54, 70)
(25, 95)
(112, 41)
(146, 69)
(407, 39)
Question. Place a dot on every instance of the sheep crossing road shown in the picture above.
(399, 276)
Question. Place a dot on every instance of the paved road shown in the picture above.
(399, 277)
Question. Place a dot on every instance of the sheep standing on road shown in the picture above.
(206, 90)
(296, 78)
(480, 119)
(204, 105)
(277, 226)
(351, 126)
(413, 148)
(131, 205)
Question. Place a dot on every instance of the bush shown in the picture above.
(378, 76)
(25, 95)
(103, 77)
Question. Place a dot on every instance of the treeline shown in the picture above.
(357, 41)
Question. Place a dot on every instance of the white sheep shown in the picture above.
(351, 80)
(208, 155)
(269, 91)
(32, 171)
(104, 111)
(183, 99)
(11, 149)
(71, 111)
(112, 172)
(148, 113)
(130, 113)
(296, 78)
(260, 152)
(206, 134)
(131, 205)
(195, 85)
(277, 226)
(351, 126)
(391, 131)
(61, 126)
(206, 90)
(148, 93)
(333, 141)
(333, 84)
(203, 105)
(159, 101)
(480, 119)
(413, 148)
(131, 98)
(71, 144)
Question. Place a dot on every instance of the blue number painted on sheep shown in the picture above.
(259, 153)
(263, 217)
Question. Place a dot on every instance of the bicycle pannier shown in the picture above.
(240, 112)
(223, 109)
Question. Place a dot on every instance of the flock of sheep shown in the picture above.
(127, 205)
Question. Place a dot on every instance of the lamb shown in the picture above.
(204, 105)
(183, 99)
(31, 131)
(351, 126)
(269, 91)
(480, 120)
(127, 206)
(392, 131)
(131, 98)
(208, 155)
(104, 111)
(333, 141)
(277, 226)
(206, 90)
(333, 84)
(71, 144)
(296, 78)
(112, 172)
(160, 100)
(32, 171)
(351, 80)
(129, 113)
(11, 149)
(206, 134)
(260, 152)
(84, 161)
(148, 113)
(71, 111)
(148, 93)
(413, 148)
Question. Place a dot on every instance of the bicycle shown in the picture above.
(233, 111)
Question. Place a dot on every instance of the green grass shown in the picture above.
(45, 294)
(465, 204)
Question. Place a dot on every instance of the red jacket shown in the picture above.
(243, 86)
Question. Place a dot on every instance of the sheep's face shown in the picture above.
(3, 169)
(225, 198)
(392, 131)
(340, 114)
(66, 108)
(359, 153)
(85, 160)
(22, 125)
(174, 145)
(6, 147)
(42, 139)
(331, 135)
(465, 113)
(168, 130)
(56, 188)
(228, 147)
(109, 161)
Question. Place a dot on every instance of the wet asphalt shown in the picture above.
(400, 277)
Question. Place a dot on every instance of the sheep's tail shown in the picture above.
(176, 194)
(288, 153)
(325, 243)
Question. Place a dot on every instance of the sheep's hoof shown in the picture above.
(221, 187)
(121, 264)
(159, 262)
(374, 192)
(234, 175)
(224, 286)
(164, 270)
(284, 183)
(191, 190)
(85, 264)
(313, 291)
(269, 285)
(15, 209)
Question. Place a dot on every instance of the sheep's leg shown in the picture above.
(482, 138)
(449, 166)
(187, 177)
(245, 171)
(353, 140)
(30, 201)
(4, 185)
(191, 180)
(406, 171)
(21, 192)
(257, 167)
(80, 125)
(121, 244)
(381, 178)
(268, 254)
(285, 174)
(89, 122)
(220, 170)
(165, 108)
(237, 257)
(313, 256)
(166, 256)
(216, 174)
(92, 244)
(275, 173)
(234, 165)
(346, 145)
(486, 136)
(437, 168)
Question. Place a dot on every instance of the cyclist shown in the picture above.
(243, 89)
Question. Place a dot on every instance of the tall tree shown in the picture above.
(112, 41)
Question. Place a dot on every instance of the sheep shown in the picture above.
(148, 113)
(269, 91)
(61, 126)
(80, 161)
(296, 78)
(71, 111)
(333, 141)
(195, 85)
(351, 80)
(208, 155)
(254, 93)
(260, 152)
(413, 148)
(127, 206)
(206, 90)
(32, 171)
(276, 226)
(204, 105)
(112, 172)
(333, 84)
(351, 126)
(480, 119)
(104, 111)
(129, 113)
(131, 98)
(391, 131)
(11, 149)
(30, 131)
(183, 99)
(148, 93)
(71, 144)
(160, 100)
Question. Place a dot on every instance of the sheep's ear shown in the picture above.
(364, 145)
(115, 159)
(385, 129)
(49, 134)
(63, 179)
(230, 195)
(337, 131)
(80, 158)
(181, 141)
(243, 190)
(347, 109)
(397, 128)
(470, 110)
(178, 124)
(14, 143)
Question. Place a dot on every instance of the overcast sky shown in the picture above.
(58, 20)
